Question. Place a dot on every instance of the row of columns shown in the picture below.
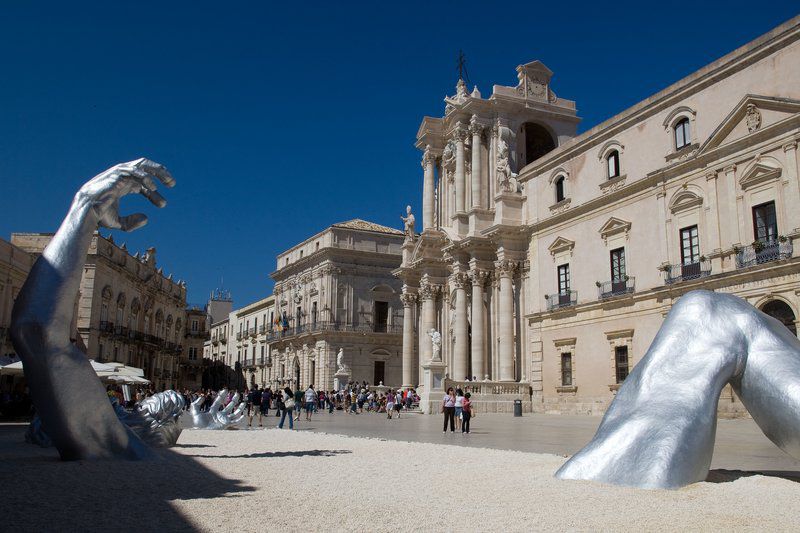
(464, 352)
(460, 134)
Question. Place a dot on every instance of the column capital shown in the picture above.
(408, 299)
(428, 157)
(474, 127)
(479, 277)
(460, 280)
(729, 169)
(791, 145)
(460, 132)
(505, 268)
(428, 290)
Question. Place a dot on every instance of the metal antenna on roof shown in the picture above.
(462, 67)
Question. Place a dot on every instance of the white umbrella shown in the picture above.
(13, 368)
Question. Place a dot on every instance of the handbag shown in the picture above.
(289, 403)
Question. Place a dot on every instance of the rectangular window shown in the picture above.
(621, 362)
(377, 376)
(194, 325)
(566, 369)
(618, 265)
(765, 222)
(682, 135)
(314, 313)
(563, 279)
(690, 246)
(381, 316)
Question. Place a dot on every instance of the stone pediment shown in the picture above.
(561, 245)
(614, 226)
(751, 114)
(761, 170)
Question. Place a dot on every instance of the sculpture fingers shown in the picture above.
(229, 408)
(132, 222)
(218, 400)
(195, 407)
(239, 412)
(156, 169)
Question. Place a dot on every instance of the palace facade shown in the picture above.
(548, 260)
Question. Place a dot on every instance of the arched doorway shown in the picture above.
(538, 141)
(296, 374)
(780, 310)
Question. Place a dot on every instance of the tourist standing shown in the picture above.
(449, 409)
(389, 404)
(254, 401)
(298, 402)
(311, 400)
(459, 407)
(285, 406)
(398, 401)
(466, 413)
(266, 399)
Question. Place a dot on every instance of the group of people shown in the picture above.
(457, 409)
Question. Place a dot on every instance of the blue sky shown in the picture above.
(280, 120)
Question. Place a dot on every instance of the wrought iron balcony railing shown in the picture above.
(106, 327)
(607, 289)
(686, 272)
(561, 299)
(323, 326)
(762, 252)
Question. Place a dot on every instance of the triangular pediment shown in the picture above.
(751, 114)
(561, 244)
(613, 226)
(758, 172)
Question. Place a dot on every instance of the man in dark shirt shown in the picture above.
(254, 398)
(266, 400)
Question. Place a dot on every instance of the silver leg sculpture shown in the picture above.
(659, 431)
(70, 400)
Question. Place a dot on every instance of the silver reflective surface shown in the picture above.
(659, 430)
(217, 417)
(160, 415)
(70, 400)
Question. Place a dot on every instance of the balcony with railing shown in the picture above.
(239, 336)
(265, 361)
(686, 272)
(262, 329)
(252, 332)
(120, 331)
(761, 252)
(326, 326)
(616, 287)
(106, 327)
(561, 300)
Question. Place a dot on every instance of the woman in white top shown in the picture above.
(459, 406)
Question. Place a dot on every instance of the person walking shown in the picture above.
(459, 406)
(298, 402)
(285, 406)
(449, 409)
(266, 400)
(311, 401)
(389, 404)
(398, 402)
(466, 413)
(254, 401)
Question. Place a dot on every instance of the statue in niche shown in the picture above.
(506, 179)
(408, 222)
(340, 362)
(436, 344)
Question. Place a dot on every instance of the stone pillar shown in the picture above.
(732, 223)
(460, 135)
(461, 331)
(427, 189)
(505, 271)
(478, 324)
(409, 299)
(477, 168)
(792, 187)
(427, 294)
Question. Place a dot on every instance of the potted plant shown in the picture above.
(758, 246)
(782, 238)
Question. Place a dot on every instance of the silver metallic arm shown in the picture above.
(65, 390)
(659, 431)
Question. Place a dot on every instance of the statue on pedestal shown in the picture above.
(340, 362)
(436, 345)
(408, 222)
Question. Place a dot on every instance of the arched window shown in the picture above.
(612, 162)
(781, 311)
(683, 136)
(560, 189)
(538, 141)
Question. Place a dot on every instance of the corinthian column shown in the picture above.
(460, 134)
(461, 349)
(505, 271)
(479, 278)
(408, 299)
(427, 189)
(477, 169)
(427, 294)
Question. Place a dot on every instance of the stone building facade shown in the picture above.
(15, 264)
(127, 310)
(252, 325)
(192, 363)
(547, 260)
(335, 291)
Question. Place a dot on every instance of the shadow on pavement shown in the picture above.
(268, 455)
(728, 476)
(44, 493)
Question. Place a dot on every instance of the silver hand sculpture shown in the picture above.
(215, 417)
(68, 397)
(659, 431)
